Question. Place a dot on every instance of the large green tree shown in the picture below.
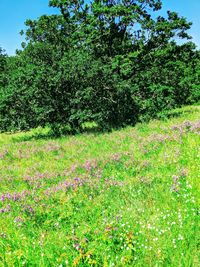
(112, 62)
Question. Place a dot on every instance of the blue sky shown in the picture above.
(13, 14)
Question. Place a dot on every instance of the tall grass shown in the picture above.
(127, 198)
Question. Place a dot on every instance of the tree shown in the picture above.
(3, 68)
(106, 61)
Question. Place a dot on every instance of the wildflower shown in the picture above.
(180, 237)
(116, 157)
(76, 246)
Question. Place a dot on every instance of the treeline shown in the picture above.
(107, 61)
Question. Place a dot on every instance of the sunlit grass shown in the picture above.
(126, 198)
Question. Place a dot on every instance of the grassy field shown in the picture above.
(126, 198)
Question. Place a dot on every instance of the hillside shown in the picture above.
(125, 198)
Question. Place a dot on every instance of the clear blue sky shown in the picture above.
(13, 14)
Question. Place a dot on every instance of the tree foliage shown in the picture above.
(3, 68)
(112, 62)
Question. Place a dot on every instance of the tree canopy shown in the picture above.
(113, 62)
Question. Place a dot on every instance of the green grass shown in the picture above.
(126, 198)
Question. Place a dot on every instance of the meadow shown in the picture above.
(125, 198)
